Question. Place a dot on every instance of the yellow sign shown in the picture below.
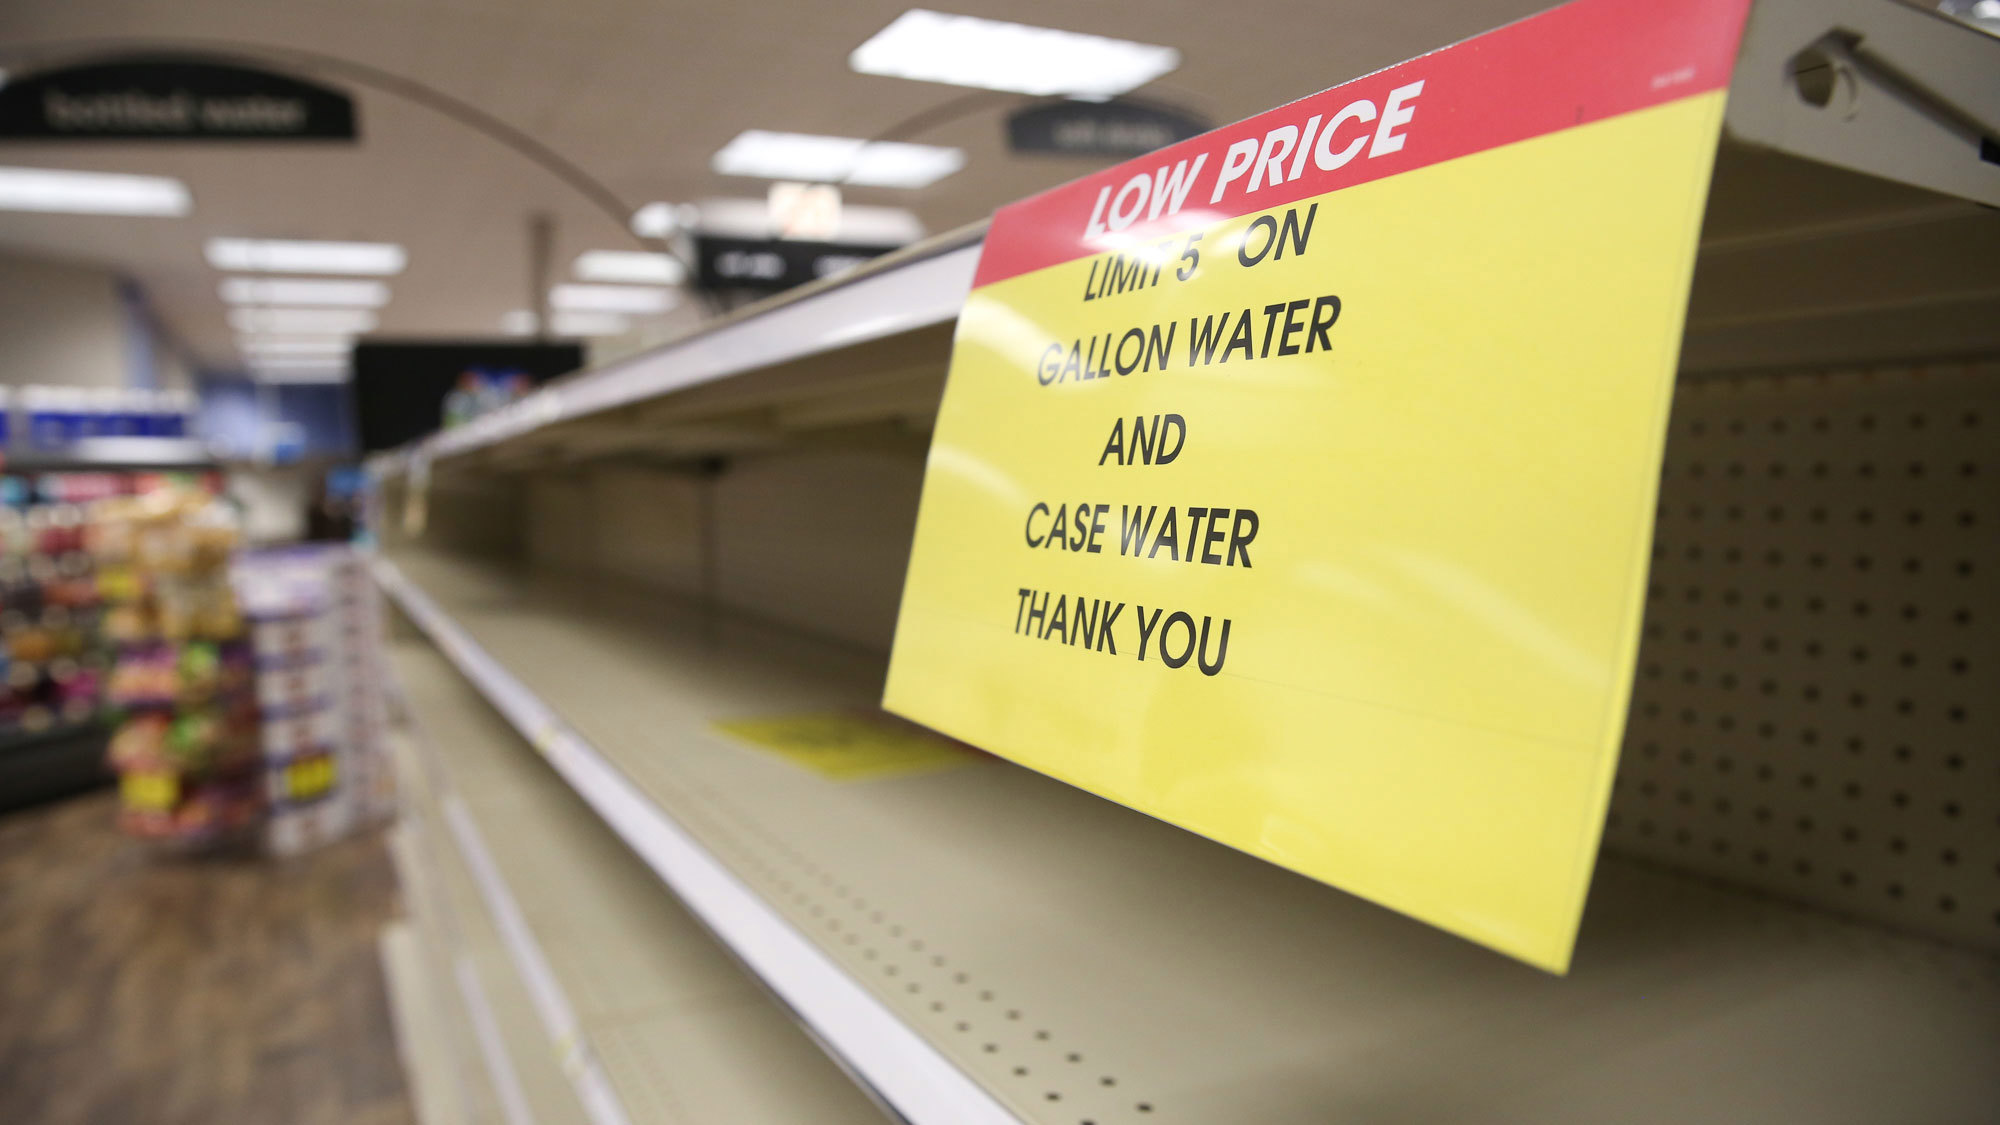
(1295, 484)
(848, 747)
(309, 777)
(149, 791)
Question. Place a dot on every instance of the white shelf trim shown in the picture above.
(889, 302)
(579, 1064)
(492, 1048)
(893, 1058)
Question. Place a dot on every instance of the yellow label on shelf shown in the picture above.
(150, 792)
(847, 746)
(309, 778)
(1316, 520)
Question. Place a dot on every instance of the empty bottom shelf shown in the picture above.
(644, 998)
(1085, 963)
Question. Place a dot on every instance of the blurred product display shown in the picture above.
(181, 685)
(315, 628)
(241, 688)
(50, 606)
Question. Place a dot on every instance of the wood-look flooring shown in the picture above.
(138, 988)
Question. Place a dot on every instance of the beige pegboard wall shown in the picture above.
(1819, 680)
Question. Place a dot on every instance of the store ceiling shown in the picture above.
(638, 93)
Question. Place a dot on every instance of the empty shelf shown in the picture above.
(650, 1018)
(1080, 962)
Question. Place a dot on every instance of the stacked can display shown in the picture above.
(185, 746)
(316, 635)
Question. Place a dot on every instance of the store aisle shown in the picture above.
(138, 988)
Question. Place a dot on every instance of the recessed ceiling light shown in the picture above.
(320, 321)
(994, 55)
(274, 255)
(837, 160)
(295, 345)
(91, 193)
(590, 324)
(302, 291)
(630, 265)
(639, 299)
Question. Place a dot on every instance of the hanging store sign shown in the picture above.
(172, 98)
(1295, 484)
(773, 263)
(1117, 128)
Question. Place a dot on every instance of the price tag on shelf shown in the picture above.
(846, 746)
(1295, 483)
(149, 791)
(308, 777)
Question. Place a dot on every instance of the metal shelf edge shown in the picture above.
(886, 302)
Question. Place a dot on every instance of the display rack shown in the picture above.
(1796, 916)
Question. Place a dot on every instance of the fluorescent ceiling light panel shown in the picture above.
(91, 193)
(637, 299)
(295, 345)
(836, 160)
(308, 321)
(302, 291)
(272, 255)
(994, 55)
(629, 265)
(590, 324)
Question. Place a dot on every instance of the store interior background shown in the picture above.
(139, 986)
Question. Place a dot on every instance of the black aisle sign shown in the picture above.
(1117, 128)
(171, 98)
(771, 263)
